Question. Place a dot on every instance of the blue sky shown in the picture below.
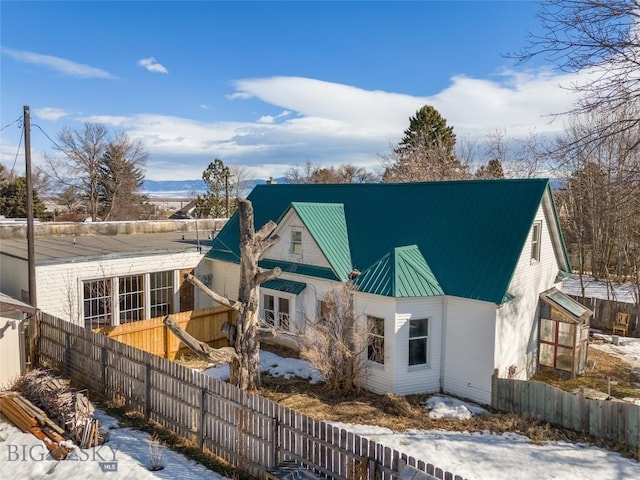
(269, 85)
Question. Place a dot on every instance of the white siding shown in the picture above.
(14, 276)
(225, 280)
(379, 378)
(517, 323)
(469, 348)
(311, 253)
(417, 378)
(60, 286)
(12, 348)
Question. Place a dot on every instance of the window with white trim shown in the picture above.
(375, 346)
(536, 232)
(161, 293)
(418, 341)
(131, 298)
(296, 242)
(97, 303)
(276, 311)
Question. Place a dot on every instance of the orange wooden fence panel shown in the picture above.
(154, 337)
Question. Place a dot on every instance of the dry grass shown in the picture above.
(597, 378)
(399, 412)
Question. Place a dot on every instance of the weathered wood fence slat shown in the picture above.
(246, 430)
(613, 420)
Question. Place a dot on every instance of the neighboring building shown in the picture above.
(108, 273)
(448, 274)
(14, 316)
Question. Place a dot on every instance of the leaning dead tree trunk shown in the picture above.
(204, 351)
(246, 337)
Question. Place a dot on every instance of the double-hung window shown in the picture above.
(536, 231)
(418, 341)
(375, 347)
(296, 242)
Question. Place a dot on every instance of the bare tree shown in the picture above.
(602, 219)
(83, 150)
(246, 335)
(336, 342)
(600, 38)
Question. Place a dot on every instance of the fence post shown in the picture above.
(147, 395)
(494, 389)
(201, 436)
(104, 362)
(67, 353)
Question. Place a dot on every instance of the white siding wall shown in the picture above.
(517, 323)
(311, 253)
(379, 378)
(14, 276)
(417, 378)
(12, 348)
(225, 280)
(469, 348)
(60, 286)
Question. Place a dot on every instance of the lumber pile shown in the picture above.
(30, 419)
(70, 409)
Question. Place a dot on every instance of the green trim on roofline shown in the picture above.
(403, 272)
(471, 231)
(299, 268)
(556, 218)
(328, 227)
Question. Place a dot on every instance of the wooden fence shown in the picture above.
(614, 420)
(245, 429)
(154, 337)
(604, 313)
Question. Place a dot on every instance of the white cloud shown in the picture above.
(330, 123)
(152, 65)
(273, 118)
(61, 65)
(204, 107)
(239, 96)
(50, 113)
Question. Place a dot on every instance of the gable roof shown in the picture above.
(403, 272)
(469, 232)
(328, 227)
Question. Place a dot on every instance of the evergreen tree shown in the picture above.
(119, 183)
(13, 196)
(426, 152)
(493, 169)
(214, 202)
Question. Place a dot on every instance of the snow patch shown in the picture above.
(449, 407)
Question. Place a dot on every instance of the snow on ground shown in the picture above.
(620, 292)
(24, 457)
(276, 366)
(448, 407)
(485, 456)
(627, 350)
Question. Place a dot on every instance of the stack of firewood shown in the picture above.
(30, 419)
(70, 409)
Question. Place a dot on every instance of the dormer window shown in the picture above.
(296, 242)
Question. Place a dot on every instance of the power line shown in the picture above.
(17, 151)
(46, 135)
(9, 124)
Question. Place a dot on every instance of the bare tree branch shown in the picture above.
(218, 298)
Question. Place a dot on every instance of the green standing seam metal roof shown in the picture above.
(327, 225)
(471, 232)
(287, 286)
(401, 273)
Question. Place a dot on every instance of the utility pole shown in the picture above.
(31, 258)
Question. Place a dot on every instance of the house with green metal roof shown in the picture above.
(451, 273)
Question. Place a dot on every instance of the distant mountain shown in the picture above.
(191, 187)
